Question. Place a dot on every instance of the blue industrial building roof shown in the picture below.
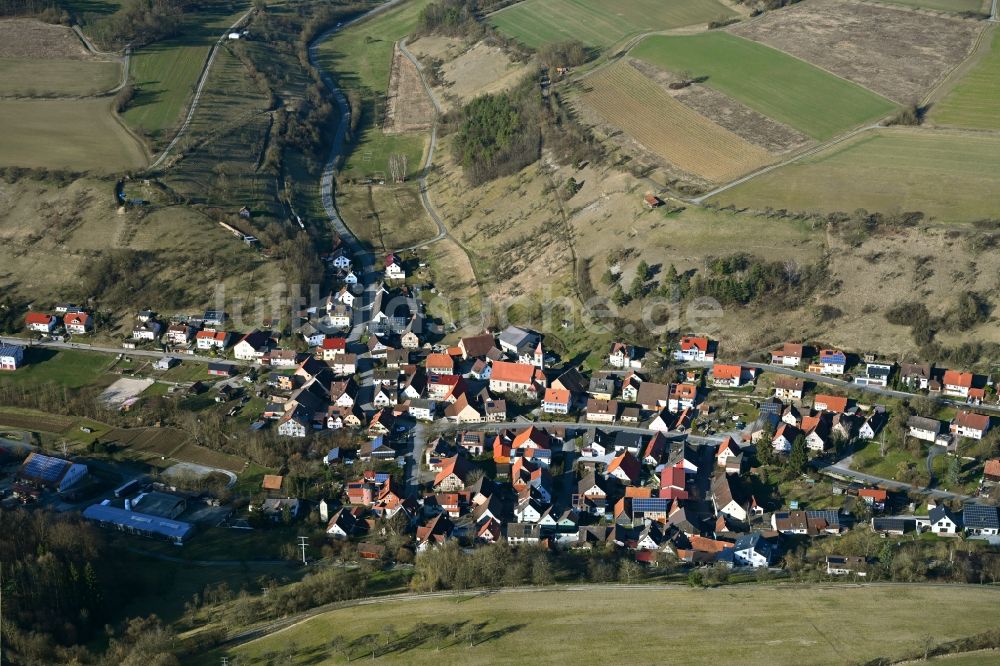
(141, 522)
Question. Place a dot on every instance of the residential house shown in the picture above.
(602, 411)
(40, 322)
(452, 476)
(518, 342)
(516, 378)
(832, 362)
(381, 423)
(970, 425)
(439, 364)
(410, 338)
(211, 339)
(817, 431)
(462, 411)
(343, 365)
(874, 497)
(625, 467)
(784, 436)
(601, 387)
(991, 470)
(682, 396)
(788, 388)
(253, 346)
(11, 356)
(943, 521)
(477, 346)
(295, 423)
(873, 424)
(494, 411)
(981, 520)
(624, 356)
(653, 396)
(957, 384)
(844, 565)
(810, 523)
(394, 268)
(752, 550)
(691, 348)
(727, 450)
(876, 373)
(730, 376)
(723, 499)
(556, 401)
(282, 358)
(790, 354)
(434, 533)
(830, 403)
(423, 410)
(923, 428)
(916, 376)
(78, 323)
(331, 347)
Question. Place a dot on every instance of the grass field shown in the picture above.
(805, 625)
(386, 218)
(948, 175)
(72, 369)
(165, 74)
(21, 77)
(951, 6)
(777, 85)
(78, 134)
(627, 99)
(975, 101)
(598, 23)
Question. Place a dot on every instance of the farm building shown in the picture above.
(133, 522)
(52, 473)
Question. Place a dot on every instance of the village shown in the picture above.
(491, 438)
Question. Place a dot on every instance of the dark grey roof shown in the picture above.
(893, 524)
(139, 522)
(980, 516)
(921, 423)
(940, 513)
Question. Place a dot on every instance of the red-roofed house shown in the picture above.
(673, 483)
(682, 396)
(691, 348)
(556, 401)
(333, 347)
(78, 323)
(970, 424)
(727, 449)
(957, 383)
(991, 470)
(40, 322)
(451, 478)
(508, 377)
(731, 376)
(440, 364)
(624, 467)
(790, 354)
(830, 403)
(876, 497)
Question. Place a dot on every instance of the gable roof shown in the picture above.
(956, 378)
(439, 361)
(627, 463)
(651, 393)
(972, 420)
(515, 373)
(477, 345)
(689, 342)
(833, 403)
(557, 396)
(723, 371)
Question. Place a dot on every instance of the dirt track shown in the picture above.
(408, 108)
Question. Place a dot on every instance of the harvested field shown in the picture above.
(479, 70)
(736, 117)
(32, 39)
(945, 174)
(627, 99)
(599, 23)
(150, 441)
(200, 455)
(21, 77)
(36, 421)
(773, 83)
(517, 622)
(981, 7)
(124, 390)
(897, 53)
(975, 101)
(78, 134)
(408, 108)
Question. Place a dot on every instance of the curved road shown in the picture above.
(124, 60)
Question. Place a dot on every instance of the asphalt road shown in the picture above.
(82, 346)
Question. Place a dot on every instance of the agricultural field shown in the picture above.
(597, 23)
(947, 175)
(975, 101)
(32, 420)
(468, 71)
(57, 78)
(165, 74)
(625, 98)
(75, 134)
(981, 7)
(386, 217)
(871, 45)
(408, 108)
(775, 84)
(797, 630)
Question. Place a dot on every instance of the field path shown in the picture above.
(197, 92)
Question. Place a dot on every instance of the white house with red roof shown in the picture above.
(211, 339)
(957, 383)
(507, 377)
(692, 348)
(394, 268)
(730, 376)
(78, 323)
(971, 425)
(40, 322)
(556, 401)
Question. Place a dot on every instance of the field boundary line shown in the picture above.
(955, 75)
